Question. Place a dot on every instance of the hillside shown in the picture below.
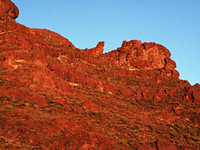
(56, 96)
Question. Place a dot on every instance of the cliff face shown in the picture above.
(56, 96)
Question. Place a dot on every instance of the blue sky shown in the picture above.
(173, 23)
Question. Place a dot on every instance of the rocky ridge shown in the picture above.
(56, 96)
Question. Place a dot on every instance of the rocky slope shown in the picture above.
(56, 96)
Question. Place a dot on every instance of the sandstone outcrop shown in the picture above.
(135, 55)
(95, 52)
(8, 10)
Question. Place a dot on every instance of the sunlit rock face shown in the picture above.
(96, 51)
(135, 55)
(143, 55)
(56, 96)
(8, 10)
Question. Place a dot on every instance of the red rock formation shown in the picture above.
(95, 52)
(135, 55)
(193, 93)
(8, 10)
(56, 96)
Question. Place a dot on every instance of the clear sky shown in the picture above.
(173, 23)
